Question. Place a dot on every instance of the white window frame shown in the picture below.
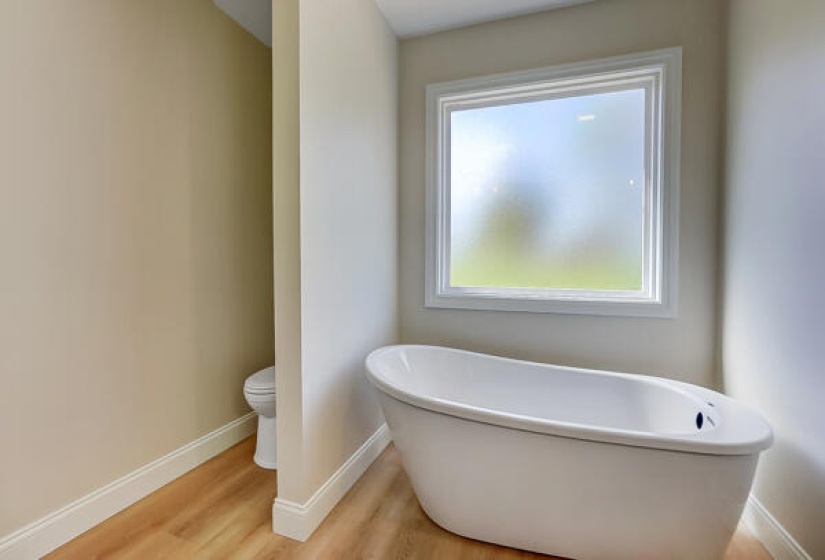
(659, 73)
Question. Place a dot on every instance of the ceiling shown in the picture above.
(408, 18)
(253, 15)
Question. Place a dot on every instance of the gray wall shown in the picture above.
(682, 348)
(775, 261)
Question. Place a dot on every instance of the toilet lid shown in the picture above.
(261, 382)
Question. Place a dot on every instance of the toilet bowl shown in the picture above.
(259, 390)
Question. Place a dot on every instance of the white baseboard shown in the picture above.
(299, 521)
(780, 544)
(61, 526)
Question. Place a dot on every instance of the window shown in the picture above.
(556, 189)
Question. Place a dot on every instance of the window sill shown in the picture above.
(628, 306)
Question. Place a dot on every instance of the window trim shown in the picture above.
(660, 72)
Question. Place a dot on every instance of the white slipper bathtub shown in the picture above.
(577, 463)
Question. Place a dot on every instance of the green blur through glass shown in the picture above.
(549, 194)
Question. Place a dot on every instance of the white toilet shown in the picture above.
(259, 390)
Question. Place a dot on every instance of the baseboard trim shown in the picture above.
(780, 544)
(299, 521)
(61, 526)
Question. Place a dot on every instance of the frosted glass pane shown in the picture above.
(549, 194)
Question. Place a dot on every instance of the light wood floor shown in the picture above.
(223, 508)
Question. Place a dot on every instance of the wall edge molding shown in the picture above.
(64, 524)
(765, 527)
(299, 521)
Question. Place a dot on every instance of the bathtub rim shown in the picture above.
(740, 431)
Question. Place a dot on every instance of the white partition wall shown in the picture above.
(336, 245)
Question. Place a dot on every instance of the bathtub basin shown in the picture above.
(571, 462)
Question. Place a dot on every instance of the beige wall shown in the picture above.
(775, 265)
(336, 229)
(135, 221)
(681, 348)
(286, 231)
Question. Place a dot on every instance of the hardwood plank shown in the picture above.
(746, 545)
(223, 509)
(158, 545)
